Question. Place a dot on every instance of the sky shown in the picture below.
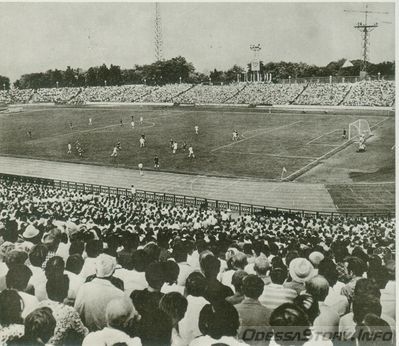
(35, 37)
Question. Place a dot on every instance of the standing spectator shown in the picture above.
(93, 249)
(73, 268)
(300, 270)
(236, 281)
(93, 297)
(180, 253)
(261, 268)
(171, 274)
(356, 268)
(52, 240)
(37, 256)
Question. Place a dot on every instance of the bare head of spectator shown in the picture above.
(54, 267)
(373, 331)
(174, 305)
(239, 260)
(37, 255)
(124, 259)
(105, 266)
(277, 262)
(52, 239)
(291, 255)
(356, 266)
(317, 287)
(152, 251)
(140, 260)
(180, 251)
(119, 312)
(57, 288)
(278, 275)
(94, 248)
(155, 276)
(74, 264)
(365, 304)
(15, 257)
(18, 277)
(10, 308)
(366, 287)
(261, 265)
(308, 304)
(219, 320)
(315, 258)
(210, 266)
(328, 269)
(252, 286)
(171, 272)
(289, 316)
(195, 285)
(237, 280)
(77, 247)
(39, 326)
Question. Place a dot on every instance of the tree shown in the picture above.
(4, 83)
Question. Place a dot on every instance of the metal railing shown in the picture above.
(184, 200)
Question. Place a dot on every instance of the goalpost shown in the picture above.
(358, 128)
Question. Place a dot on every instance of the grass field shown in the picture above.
(269, 141)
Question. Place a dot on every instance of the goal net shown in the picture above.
(358, 128)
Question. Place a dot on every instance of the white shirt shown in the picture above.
(132, 279)
(336, 301)
(185, 271)
(89, 267)
(108, 337)
(38, 280)
(207, 340)
(166, 288)
(75, 282)
(188, 326)
(30, 303)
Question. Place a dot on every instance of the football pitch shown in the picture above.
(268, 142)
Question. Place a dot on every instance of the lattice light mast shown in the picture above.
(365, 29)
(255, 65)
(158, 34)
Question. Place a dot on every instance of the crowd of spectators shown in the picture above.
(269, 94)
(364, 93)
(371, 93)
(56, 95)
(323, 94)
(97, 269)
(211, 94)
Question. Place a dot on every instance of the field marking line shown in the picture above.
(380, 122)
(326, 144)
(256, 135)
(324, 134)
(272, 155)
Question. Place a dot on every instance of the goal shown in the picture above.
(359, 127)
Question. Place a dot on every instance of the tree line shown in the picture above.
(178, 70)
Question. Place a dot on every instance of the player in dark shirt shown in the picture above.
(156, 162)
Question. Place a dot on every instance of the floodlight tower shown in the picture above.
(158, 34)
(365, 29)
(255, 65)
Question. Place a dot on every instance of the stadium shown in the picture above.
(268, 188)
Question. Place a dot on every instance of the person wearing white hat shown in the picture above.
(300, 270)
(94, 296)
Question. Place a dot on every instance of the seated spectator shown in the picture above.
(17, 278)
(253, 315)
(51, 240)
(238, 262)
(356, 268)
(300, 270)
(194, 291)
(93, 249)
(315, 258)
(171, 274)
(93, 297)
(37, 256)
(338, 302)
(146, 302)
(388, 292)
(39, 328)
(326, 323)
(119, 313)
(174, 306)
(261, 268)
(219, 325)
(69, 327)
(215, 291)
(275, 294)
(236, 281)
(73, 267)
(180, 253)
(374, 331)
(11, 322)
(12, 258)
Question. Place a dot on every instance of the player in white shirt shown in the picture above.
(90, 122)
(132, 123)
(141, 120)
(140, 165)
(174, 147)
(142, 141)
(235, 135)
(191, 152)
(69, 148)
(196, 129)
(114, 153)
